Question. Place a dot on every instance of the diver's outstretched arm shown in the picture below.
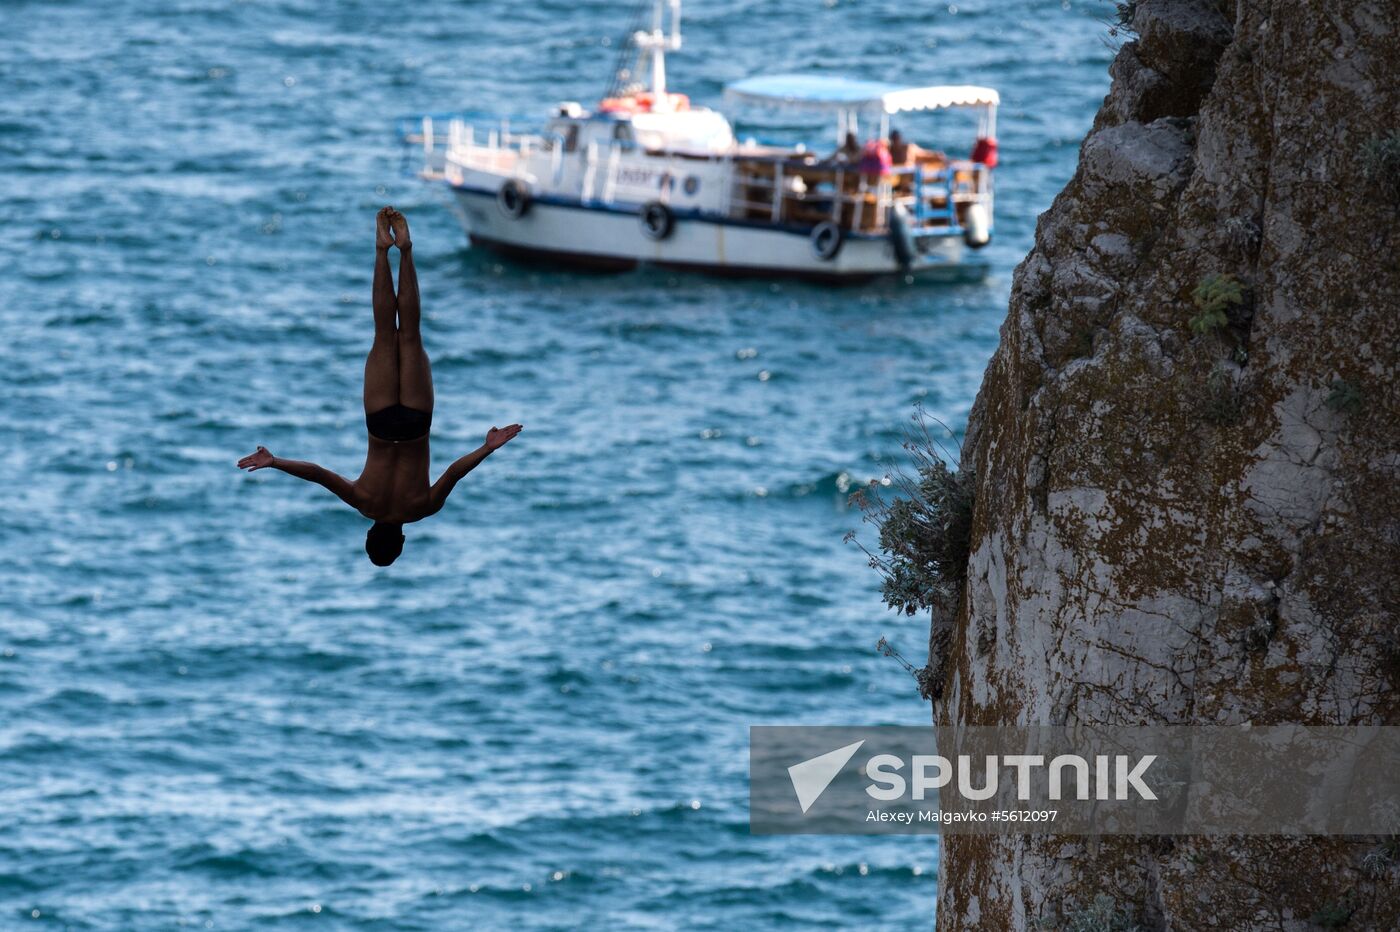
(496, 438)
(343, 488)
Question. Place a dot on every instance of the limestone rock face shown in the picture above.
(1197, 525)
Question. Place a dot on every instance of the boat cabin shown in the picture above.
(698, 131)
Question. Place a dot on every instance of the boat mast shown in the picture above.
(654, 45)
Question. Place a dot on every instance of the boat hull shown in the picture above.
(611, 238)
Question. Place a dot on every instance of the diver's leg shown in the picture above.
(382, 366)
(415, 372)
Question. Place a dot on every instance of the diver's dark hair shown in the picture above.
(384, 543)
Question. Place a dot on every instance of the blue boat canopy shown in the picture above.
(827, 93)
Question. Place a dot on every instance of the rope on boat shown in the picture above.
(622, 75)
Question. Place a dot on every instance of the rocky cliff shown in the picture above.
(1186, 459)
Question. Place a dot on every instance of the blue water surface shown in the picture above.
(214, 711)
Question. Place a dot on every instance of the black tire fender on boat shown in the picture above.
(657, 220)
(513, 199)
(902, 238)
(827, 240)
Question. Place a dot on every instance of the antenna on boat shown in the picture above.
(658, 43)
(651, 46)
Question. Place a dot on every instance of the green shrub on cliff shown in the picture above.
(1120, 19)
(1333, 915)
(1214, 297)
(1221, 403)
(1379, 860)
(1380, 163)
(925, 532)
(1345, 397)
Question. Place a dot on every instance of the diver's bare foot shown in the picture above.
(383, 238)
(400, 224)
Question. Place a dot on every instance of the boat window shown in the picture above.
(571, 139)
(622, 133)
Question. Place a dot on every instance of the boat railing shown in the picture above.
(494, 149)
(804, 193)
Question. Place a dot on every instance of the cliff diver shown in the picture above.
(393, 488)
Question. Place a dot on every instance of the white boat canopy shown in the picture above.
(824, 93)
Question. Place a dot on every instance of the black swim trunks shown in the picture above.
(397, 423)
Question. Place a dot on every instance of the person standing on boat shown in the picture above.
(393, 488)
(875, 159)
(903, 152)
(849, 151)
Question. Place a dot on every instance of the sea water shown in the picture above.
(215, 712)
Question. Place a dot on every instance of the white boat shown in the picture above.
(648, 178)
